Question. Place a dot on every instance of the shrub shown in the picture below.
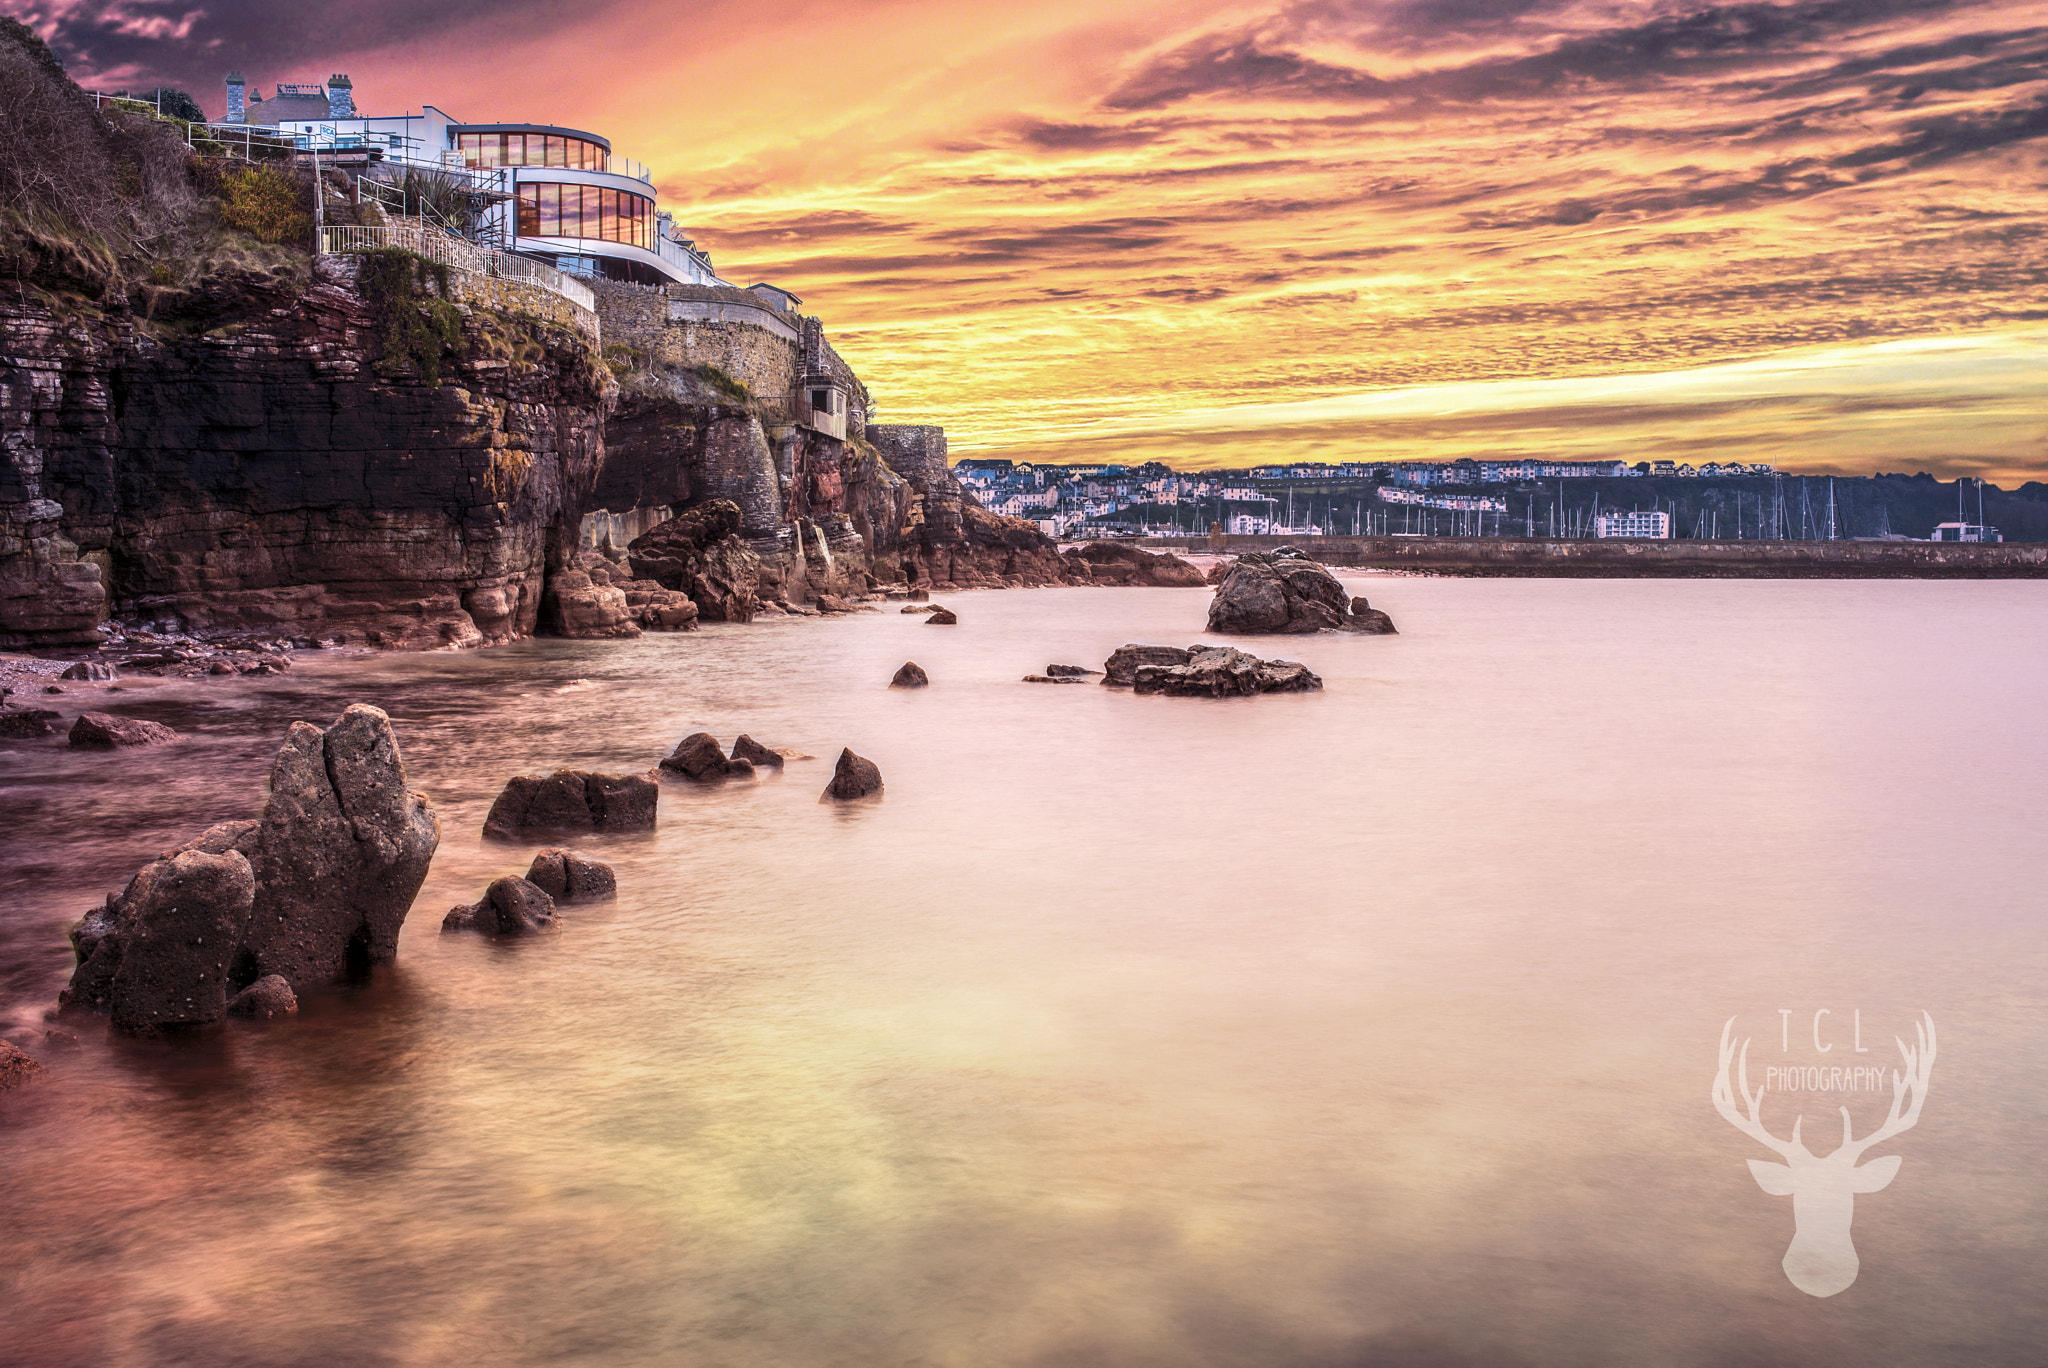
(418, 327)
(266, 202)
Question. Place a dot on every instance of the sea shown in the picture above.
(1373, 1026)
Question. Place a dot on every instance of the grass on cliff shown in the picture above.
(410, 297)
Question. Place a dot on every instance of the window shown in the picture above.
(821, 400)
(589, 211)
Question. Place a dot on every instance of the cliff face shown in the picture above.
(284, 470)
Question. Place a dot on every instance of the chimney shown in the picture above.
(237, 110)
(341, 99)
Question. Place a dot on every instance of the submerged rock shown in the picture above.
(911, 676)
(574, 800)
(854, 777)
(267, 999)
(756, 754)
(1281, 593)
(919, 608)
(569, 877)
(103, 731)
(24, 722)
(1224, 672)
(16, 1068)
(511, 906)
(90, 669)
(942, 617)
(313, 891)
(1070, 671)
(1053, 679)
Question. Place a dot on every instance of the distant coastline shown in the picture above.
(1580, 558)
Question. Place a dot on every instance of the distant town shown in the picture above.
(1513, 498)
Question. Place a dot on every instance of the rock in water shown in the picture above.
(1053, 679)
(919, 608)
(333, 864)
(23, 722)
(854, 777)
(1278, 592)
(698, 756)
(1070, 671)
(574, 800)
(16, 1068)
(942, 617)
(756, 754)
(568, 877)
(1119, 671)
(267, 999)
(343, 849)
(90, 669)
(1110, 562)
(911, 676)
(511, 906)
(102, 731)
(1366, 618)
(576, 605)
(184, 918)
(1224, 672)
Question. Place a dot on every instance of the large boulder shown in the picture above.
(1279, 593)
(1366, 618)
(573, 800)
(1224, 672)
(1120, 670)
(941, 617)
(104, 731)
(576, 605)
(1111, 562)
(911, 676)
(569, 877)
(330, 871)
(699, 552)
(343, 849)
(511, 906)
(853, 777)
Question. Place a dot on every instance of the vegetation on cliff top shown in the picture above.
(410, 296)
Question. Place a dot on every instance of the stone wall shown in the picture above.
(522, 297)
(741, 342)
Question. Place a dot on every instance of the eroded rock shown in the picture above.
(1224, 672)
(853, 777)
(16, 1067)
(267, 999)
(26, 722)
(1120, 670)
(511, 906)
(911, 676)
(1283, 593)
(698, 756)
(573, 800)
(569, 877)
(941, 617)
(756, 754)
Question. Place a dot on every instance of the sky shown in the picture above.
(1812, 233)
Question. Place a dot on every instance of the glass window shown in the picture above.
(529, 211)
(550, 210)
(608, 203)
(555, 150)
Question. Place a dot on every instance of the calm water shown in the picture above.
(1368, 1027)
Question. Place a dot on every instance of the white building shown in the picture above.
(1632, 525)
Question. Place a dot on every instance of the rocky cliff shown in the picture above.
(286, 466)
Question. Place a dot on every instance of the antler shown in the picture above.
(1724, 1098)
(1919, 1064)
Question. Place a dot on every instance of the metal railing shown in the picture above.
(626, 166)
(459, 253)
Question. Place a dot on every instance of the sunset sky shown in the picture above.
(1217, 234)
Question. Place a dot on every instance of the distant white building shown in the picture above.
(1632, 525)
(1965, 532)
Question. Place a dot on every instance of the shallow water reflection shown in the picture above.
(1367, 1027)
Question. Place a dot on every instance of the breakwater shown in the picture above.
(1565, 558)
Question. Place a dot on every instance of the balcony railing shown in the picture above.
(459, 253)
